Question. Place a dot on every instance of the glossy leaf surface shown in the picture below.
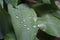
(24, 21)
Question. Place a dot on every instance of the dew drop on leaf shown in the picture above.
(41, 25)
(25, 25)
(17, 17)
(28, 28)
(34, 26)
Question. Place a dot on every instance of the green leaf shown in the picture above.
(1, 3)
(24, 21)
(13, 2)
(52, 25)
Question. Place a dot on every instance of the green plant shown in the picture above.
(22, 20)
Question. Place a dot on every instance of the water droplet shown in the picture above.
(17, 17)
(28, 28)
(34, 26)
(25, 25)
(41, 25)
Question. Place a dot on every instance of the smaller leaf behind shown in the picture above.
(52, 25)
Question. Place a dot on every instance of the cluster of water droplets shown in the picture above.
(25, 26)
